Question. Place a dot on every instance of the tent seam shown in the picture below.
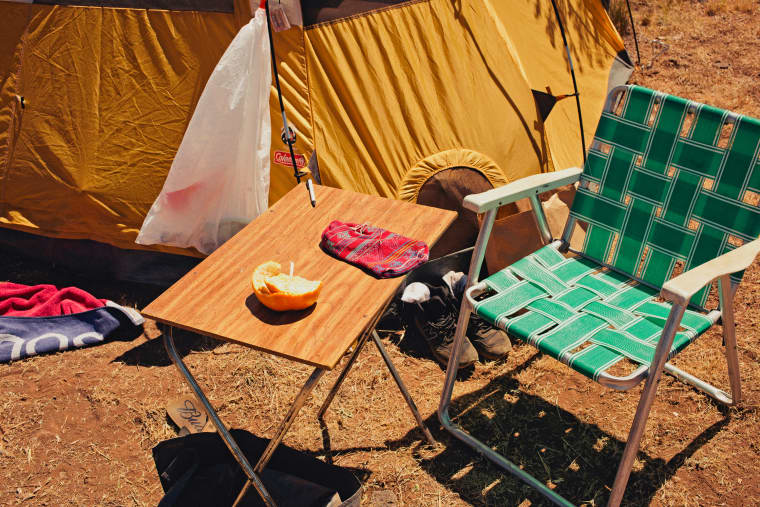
(308, 99)
(14, 126)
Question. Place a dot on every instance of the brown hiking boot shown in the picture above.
(492, 343)
(436, 320)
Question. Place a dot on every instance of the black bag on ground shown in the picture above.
(198, 469)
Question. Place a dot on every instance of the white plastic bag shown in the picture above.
(219, 179)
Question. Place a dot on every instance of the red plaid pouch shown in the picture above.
(383, 253)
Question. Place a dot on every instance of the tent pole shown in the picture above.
(633, 29)
(288, 134)
(572, 73)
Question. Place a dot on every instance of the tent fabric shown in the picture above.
(432, 88)
(294, 80)
(531, 32)
(464, 81)
(108, 94)
(429, 166)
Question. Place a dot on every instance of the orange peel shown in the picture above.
(282, 292)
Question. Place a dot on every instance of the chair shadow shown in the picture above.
(153, 353)
(550, 443)
(414, 435)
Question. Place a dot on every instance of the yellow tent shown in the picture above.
(94, 100)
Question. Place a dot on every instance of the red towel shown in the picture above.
(44, 300)
(384, 253)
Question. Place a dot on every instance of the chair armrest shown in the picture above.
(680, 289)
(524, 187)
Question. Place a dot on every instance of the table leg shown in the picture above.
(394, 373)
(253, 477)
(298, 402)
(402, 388)
(334, 390)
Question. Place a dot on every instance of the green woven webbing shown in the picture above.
(657, 191)
(663, 184)
(580, 312)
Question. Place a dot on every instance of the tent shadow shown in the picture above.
(153, 353)
(28, 270)
(550, 443)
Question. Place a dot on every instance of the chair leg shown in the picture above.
(451, 368)
(729, 337)
(451, 376)
(732, 357)
(477, 445)
(645, 404)
(478, 254)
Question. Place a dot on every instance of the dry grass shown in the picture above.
(76, 428)
(712, 59)
(715, 7)
(619, 15)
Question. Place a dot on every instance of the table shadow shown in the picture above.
(153, 353)
(272, 317)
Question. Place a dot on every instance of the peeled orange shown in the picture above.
(282, 292)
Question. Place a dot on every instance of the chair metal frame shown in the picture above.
(678, 291)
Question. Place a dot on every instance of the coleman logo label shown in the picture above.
(283, 158)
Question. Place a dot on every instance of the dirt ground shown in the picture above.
(77, 428)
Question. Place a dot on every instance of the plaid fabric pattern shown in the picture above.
(381, 252)
(667, 181)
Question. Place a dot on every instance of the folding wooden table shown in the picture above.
(216, 299)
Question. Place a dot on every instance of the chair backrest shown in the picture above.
(668, 184)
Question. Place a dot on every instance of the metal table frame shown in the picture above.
(252, 473)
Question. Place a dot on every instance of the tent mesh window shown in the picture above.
(169, 5)
(319, 11)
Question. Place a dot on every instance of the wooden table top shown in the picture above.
(216, 298)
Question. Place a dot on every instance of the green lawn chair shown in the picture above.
(670, 185)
